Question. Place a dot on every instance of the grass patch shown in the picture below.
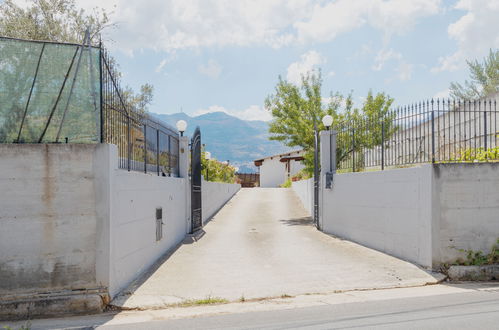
(206, 301)
(27, 326)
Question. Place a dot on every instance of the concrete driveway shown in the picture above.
(263, 244)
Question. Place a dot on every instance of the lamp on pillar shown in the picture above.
(181, 126)
(327, 120)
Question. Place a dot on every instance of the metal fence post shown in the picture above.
(316, 176)
(170, 156)
(129, 146)
(145, 148)
(353, 149)
(157, 150)
(101, 95)
(485, 126)
(432, 133)
(382, 145)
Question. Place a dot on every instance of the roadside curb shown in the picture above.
(136, 316)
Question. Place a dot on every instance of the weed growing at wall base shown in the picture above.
(478, 258)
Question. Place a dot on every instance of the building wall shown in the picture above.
(296, 166)
(273, 172)
(304, 189)
(48, 217)
(214, 195)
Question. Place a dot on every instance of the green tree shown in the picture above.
(139, 101)
(51, 20)
(365, 126)
(484, 78)
(63, 21)
(216, 171)
(296, 109)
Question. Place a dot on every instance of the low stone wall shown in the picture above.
(305, 191)
(422, 214)
(214, 195)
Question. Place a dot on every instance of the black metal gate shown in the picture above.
(196, 214)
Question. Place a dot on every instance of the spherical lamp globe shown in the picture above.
(327, 120)
(181, 126)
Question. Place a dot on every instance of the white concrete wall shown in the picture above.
(48, 217)
(305, 191)
(214, 195)
(468, 213)
(389, 211)
(422, 214)
(71, 219)
(133, 245)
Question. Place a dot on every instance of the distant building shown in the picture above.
(275, 170)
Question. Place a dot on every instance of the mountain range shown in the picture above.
(229, 138)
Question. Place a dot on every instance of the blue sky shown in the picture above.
(226, 55)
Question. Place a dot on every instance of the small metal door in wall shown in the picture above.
(196, 214)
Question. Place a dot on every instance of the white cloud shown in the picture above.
(161, 65)
(331, 74)
(392, 17)
(308, 62)
(182, 24)
(475, 33)
(166, 25)
(384, 56)
(253, 112)
(403, 70)
(211, 69)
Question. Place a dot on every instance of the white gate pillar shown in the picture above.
(183, 162)
(328, 168)
(328, 152)
(183, 171)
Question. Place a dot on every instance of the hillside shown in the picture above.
(230, 138)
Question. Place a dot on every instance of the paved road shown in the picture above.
(263, 244)
(471, 310)
(441, 306)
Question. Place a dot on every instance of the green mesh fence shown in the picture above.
(49, 92)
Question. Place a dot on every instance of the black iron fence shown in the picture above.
(144, 144)
(433, 131)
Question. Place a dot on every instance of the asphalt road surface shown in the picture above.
(471, 310)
